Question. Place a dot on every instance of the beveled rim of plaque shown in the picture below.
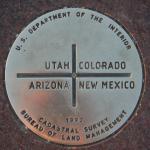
(131, 117)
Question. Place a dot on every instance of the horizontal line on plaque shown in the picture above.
(103, 74)
(43, 75)
(81, 75)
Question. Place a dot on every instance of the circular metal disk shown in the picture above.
(74, 76)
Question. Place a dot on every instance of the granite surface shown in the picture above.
(16, 14)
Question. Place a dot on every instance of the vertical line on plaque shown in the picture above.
(74, 75)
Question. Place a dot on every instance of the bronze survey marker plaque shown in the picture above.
(74, 76)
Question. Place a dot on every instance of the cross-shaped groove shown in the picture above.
(72, 75)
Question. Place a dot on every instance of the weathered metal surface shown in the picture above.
(14, 15)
